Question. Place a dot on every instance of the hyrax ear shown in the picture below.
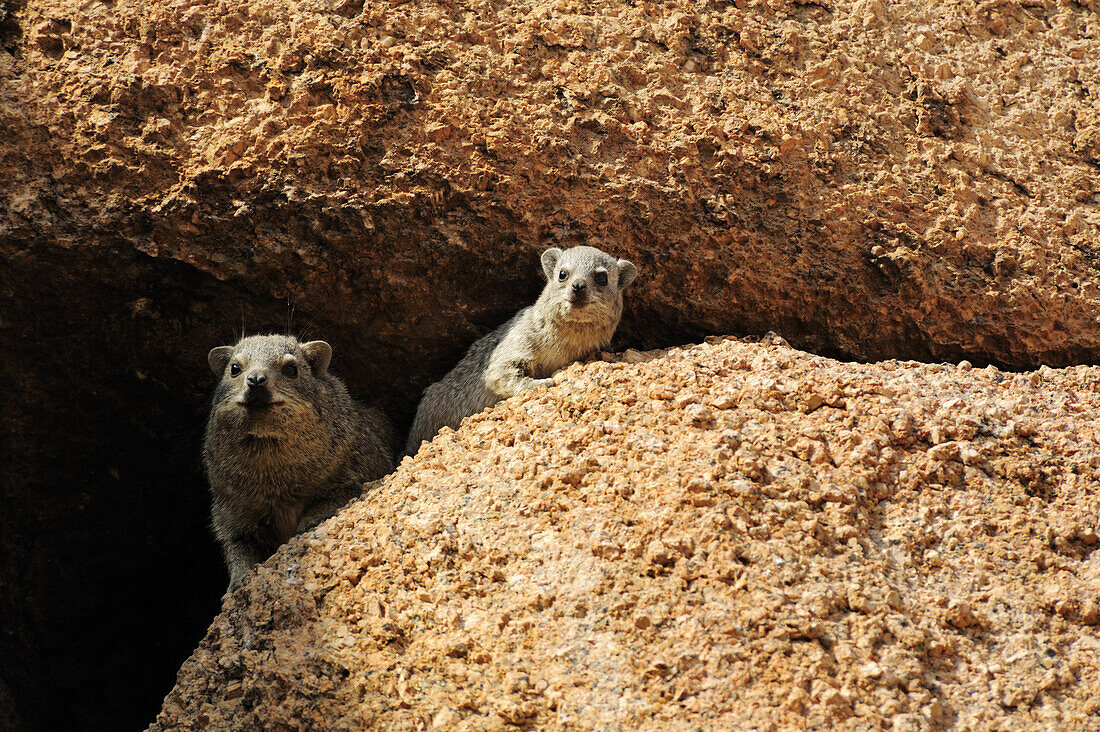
(550, 262)
(627, 272)
(218, 358)
(318, 353)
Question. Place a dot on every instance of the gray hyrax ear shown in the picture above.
(318, 353)
(627, 272)
(550, 262)
(218, 358)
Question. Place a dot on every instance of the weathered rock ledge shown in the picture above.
(904, 179)
(874, 179)
(723, 536)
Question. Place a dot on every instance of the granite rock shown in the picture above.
(724, 536)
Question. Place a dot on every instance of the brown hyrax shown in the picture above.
(576, 314)
(286, 445)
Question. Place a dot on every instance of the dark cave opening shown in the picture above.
(109, 575)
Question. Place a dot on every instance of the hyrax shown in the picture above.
(576, 314)
(286, 446)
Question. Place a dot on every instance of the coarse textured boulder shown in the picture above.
(871, 180)
(914, 179)
(725, 536)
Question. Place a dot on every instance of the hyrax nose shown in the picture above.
(257, 380)
(580, 286)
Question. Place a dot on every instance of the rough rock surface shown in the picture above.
(725, 536)
(918, 179)
(872, 179)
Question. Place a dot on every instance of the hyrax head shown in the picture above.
(587, 283)
(263, 375)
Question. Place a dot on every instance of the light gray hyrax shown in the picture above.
(576, 314)
(286, 446)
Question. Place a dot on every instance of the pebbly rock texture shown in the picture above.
(912, 180)
(724, 536)
(870, 179)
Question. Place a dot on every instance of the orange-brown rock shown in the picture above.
(873, 179)
(870, 179)
(724, 536)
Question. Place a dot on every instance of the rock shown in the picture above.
(872, 180)
(765, 604)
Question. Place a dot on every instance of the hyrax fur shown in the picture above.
(576, 314)
(286, 446)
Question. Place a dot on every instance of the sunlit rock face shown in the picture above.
(724, 536)
(870, 180)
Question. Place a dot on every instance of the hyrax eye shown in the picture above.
(235, 370)
(562, 275)
(601, 278)
(290, 371)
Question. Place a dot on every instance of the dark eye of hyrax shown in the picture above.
(601, 278)
(562, 275)
(290, 371)
(235, 370)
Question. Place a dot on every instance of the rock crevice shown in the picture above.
(870, 180)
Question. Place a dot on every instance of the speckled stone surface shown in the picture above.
(883, 180)
(870, 179)
(725, 536)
